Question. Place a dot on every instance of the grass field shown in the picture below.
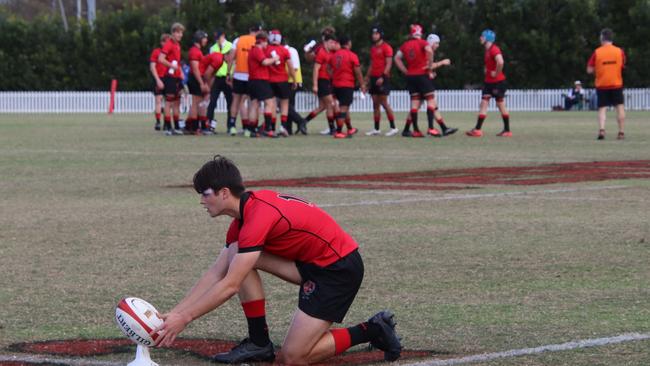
(90, 215)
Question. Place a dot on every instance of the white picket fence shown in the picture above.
(142, 102)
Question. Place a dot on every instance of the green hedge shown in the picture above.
(546, 43)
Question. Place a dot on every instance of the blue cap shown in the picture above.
(489, 35)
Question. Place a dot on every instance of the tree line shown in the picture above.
(546, 43)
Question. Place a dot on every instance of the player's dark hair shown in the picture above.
(328, 37)
(607, 35)
(255, 27)
(262, 36)
(220, 172)
(344, 40)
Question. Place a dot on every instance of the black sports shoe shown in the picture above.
(406, 133)
(387, 339)
(601, 134)
(157, 126)
(246, 351)
(449, 131)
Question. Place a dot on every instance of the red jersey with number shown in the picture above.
(257, 71)
(161, 69)
(323, 58)
(288, 227)
(214, 59)
(378, 55)
(172, 51)
(415, 55)
(343, 63)
(278, 72)
(491, 65)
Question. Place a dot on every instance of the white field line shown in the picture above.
(36, 359)
(596, 342)
(466, 196)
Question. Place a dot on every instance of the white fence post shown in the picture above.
(448, 100)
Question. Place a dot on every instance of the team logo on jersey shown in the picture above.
(308, 288)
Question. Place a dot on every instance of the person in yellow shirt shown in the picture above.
(607, 63)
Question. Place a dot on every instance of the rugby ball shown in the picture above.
(137, 318)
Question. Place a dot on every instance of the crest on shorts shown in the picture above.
(308, 287)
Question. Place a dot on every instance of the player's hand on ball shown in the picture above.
(174, 324)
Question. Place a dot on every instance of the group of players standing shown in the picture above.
(259, 68)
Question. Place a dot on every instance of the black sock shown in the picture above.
(430, 117)
(506, 122)
(258, 331)
(414, 120)
(176, 125)
(231, 122)
(442, 124)
(362, 333)
(479, 121)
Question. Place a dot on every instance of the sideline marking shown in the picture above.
(467, 196)
(586, 343)
(36, 359)
(627, 337)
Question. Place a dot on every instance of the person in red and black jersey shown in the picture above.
(419, 57)
(378, 79)
(197, 116)
(322, 84)
(345, 67)
(311, 49)
(259, 88)
(279, 78)
(296, 241)
(158, 71)
(434, 42)
(170, 57)
(209, 65)
(494, 86)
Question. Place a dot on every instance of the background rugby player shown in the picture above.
(158, 71)
(494, 85)
(378, 81)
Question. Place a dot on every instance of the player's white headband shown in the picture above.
(433, 38)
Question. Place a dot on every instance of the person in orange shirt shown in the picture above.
(607, 62)
(238, 80)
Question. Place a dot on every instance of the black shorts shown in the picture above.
(610, 97)
(384, 89)
(419, 84)
(344, 95)
(194, 86)
(324, 88)
(240, 87)
(173, 85)
(281, 90)
(326, 293)
(496, 90)
(155, 90)
(259, 89)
